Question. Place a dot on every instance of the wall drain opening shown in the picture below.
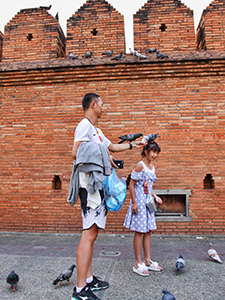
(94, 32)
(29, 36)
(163, 27)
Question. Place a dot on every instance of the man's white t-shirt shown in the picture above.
(87, 132)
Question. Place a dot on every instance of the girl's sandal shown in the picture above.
(154, 266)
(141, 270)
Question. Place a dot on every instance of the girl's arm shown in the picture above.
(138, 168)
(132, 196)
(157, 198)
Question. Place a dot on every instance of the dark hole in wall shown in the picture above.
(208, 182)
(56, 183)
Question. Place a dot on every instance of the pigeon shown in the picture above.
(213, 255)
(87, 55)
(161, 55)
(65, 275)
(46, 7)
(13, 279)
(180, 263)
(151, 50)
(118, 56)
(108, 53)
(71, 55)
(150, 137)
(167, 295)
(57, 16)
(129, 137)
(139, 55)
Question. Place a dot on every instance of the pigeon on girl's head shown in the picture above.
(150, 137)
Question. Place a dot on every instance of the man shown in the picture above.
(93, 218)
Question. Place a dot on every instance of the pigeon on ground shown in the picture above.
(57, 16)
(150, 137)
(71, 55)
(213, 255)
(65, 275)
(87, 55)
(139, 55)
(13, 279)
(161, 55)
(129, 137)
(180, 263)
(118, 56)
(108, 53)
(167, 295)
(151, 50)
(46, 7)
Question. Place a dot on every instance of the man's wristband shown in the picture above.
(131, 146)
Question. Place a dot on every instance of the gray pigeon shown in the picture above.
(180, 263)
(167, 295)
(151, 50)
(139, 55)
(65, 275)
(129, 137)
(87, 55)
(13, 279)
(117, 57)
(46, 7)
(71, 55)
(161, 55)
(150, 137)
(108, 53)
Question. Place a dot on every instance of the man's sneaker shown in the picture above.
(97, 285)
(84, 294)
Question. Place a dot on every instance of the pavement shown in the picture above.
(38, 259)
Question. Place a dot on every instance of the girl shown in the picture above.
(138, 217)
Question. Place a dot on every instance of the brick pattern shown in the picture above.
(165, 25)
(1, 45)
(210, 31)
(38, 121)
(95, 27)
(33, 34)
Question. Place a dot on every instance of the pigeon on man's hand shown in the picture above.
(71, 55)
(13, 279)
(118, 56)
(150, 137)
(65, 275)
(180, 263)
(108, 53)
(213, 255)
(161, 55)
(129, 137)
(88, 54)
(167, 295)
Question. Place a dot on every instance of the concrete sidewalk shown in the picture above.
(39, 259)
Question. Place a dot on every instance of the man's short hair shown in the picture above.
(87, 99)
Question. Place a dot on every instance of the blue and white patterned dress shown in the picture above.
(143, 221)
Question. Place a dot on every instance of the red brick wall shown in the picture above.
(210, 31)
(179, 27)
(182, 100)
(100, 16)
(33, 34)
(1, 45)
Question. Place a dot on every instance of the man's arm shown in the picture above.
(75, 148)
